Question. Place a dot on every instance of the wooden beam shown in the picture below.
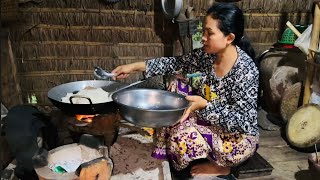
(87, 43)
(77, 10)
(49, 26)
(314, 43)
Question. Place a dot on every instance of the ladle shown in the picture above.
(125, 87)
(102, 74)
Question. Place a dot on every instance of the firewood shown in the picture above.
(98, 169)
(290, 101)
(303, 128)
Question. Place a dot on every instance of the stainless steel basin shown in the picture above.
(150, 107)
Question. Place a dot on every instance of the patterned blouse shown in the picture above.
(232, 99)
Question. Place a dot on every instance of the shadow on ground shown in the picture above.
(306, 174)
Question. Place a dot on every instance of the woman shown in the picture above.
(221, 123)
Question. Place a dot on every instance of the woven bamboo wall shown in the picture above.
(10, 87)
(265, 19)
(59, 41)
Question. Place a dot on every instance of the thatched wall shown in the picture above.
(10, 86)
(59, 41)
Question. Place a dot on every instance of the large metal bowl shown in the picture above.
(150, 107)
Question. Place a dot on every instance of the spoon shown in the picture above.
(102, 74)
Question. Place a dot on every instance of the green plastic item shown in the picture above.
(288, 36)
(59, 169)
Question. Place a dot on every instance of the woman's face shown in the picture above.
(214, 41)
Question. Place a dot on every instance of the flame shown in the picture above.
(85, 118)
(150, 131)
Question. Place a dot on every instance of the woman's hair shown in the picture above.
(231, 20)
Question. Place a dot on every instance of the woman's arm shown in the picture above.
(123, 71)
(162, 65)
(170, 65)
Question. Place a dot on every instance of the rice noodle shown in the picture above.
(97, 95)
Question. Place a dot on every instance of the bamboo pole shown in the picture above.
(267, 14)
(63, 27)
(313, 45)
(87, 43)
(14, 74)
(90, 58)
(77, 10)
(56, 73)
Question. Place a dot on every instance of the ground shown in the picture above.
(288, 163)
(132, 160)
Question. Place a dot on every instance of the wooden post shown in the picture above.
(313, 45)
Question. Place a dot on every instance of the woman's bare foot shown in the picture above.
(209, 169)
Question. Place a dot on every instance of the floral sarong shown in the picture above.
(198, 139)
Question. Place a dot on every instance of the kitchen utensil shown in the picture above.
(55, 96)
(126, 87)
(171, 8)
(150, 107)
(102, 74)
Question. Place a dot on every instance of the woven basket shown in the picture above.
(288, 36)
(9, 10)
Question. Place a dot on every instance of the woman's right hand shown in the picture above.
(124, 71)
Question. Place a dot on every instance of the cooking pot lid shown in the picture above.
(170, 8)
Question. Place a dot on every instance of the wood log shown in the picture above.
(282, 79)
(98, 169)
(290, 101)
(303, 128)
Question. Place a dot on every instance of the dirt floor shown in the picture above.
(132, 160)
(288, 162)
(131, 156)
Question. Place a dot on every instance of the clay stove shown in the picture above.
(105, 126)
(102, 127)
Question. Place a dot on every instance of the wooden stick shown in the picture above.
(75, 10)
(87, 58)
(56, 73)
(266, 14)
(313, 45)
(63, 27)
(294, 29)
(87, 43)
(14, 71)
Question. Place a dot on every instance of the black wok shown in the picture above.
(55, 95)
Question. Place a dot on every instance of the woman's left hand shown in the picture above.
(197, 103)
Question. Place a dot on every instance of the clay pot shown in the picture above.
(314, 166)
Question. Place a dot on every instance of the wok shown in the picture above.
(55, 95)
